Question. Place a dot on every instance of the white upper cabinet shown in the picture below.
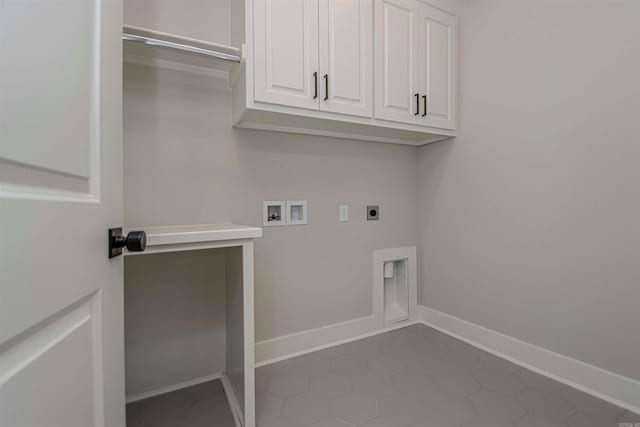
(346, 56)
(376, 70)
(286, 52)
(314, 54)
(415, 49)
(396, 51)
(437, 45)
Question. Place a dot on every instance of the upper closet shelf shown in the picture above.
(190, 237)
(162, 49)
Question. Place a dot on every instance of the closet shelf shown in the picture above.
(190, 237)
(163, 49)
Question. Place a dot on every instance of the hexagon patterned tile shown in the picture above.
(498, 364)
(539, 382)
(332, 385)
(534, 421)
(581, 419)
(421, 386)
(355, 408)
(313, 365)
(455, 383)
(306, 409)
(373, 385)
(499, 381)
(288, 384)
(496, 406)
(386, 364)
(545, 405)
(590, 404)
(268, 407)
(419, 377)
(350, 364)
(629, 417)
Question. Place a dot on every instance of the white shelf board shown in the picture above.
(190, 237)
(195, 53)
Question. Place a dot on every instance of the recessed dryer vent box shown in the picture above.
(395, 294)
(396, 291)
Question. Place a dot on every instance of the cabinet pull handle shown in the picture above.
(424, 102)
(326, 87)
(417, 95)
(315, 79)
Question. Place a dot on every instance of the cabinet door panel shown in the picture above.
(286, 52)
(346, 56)
(437, 66)
(396, 61)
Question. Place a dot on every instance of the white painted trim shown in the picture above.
(236, 410)
(174, 387)
(429, 138)
(288, 346)
(606, 385)
(249, 417)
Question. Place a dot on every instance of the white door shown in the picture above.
(286, 52)
(61, 298)
(346, 56)
(396, 60)
(437, 67)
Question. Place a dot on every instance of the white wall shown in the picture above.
(207, 20)
(174, 318)
(529, 220)
(185, 164)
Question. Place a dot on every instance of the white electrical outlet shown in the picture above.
(344, 213)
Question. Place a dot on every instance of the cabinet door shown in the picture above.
(437, 67)
(346, 56)
(286, 52)
(396, 60)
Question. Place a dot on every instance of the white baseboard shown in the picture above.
(609, 386)
(236, 409)
(288, 346)
(174, 387)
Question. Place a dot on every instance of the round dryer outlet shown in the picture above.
(373, 213)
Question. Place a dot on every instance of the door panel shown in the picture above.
(346, 56)
(286, 52)
(41, 87)
(39, 366)
(61, 314)
(437, 66)
(396, 60)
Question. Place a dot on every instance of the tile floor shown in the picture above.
(418, 377)
(411, 377)
(203, 405)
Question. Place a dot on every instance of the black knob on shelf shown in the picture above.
(135, 241)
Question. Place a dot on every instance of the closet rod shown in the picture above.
(183, 47)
